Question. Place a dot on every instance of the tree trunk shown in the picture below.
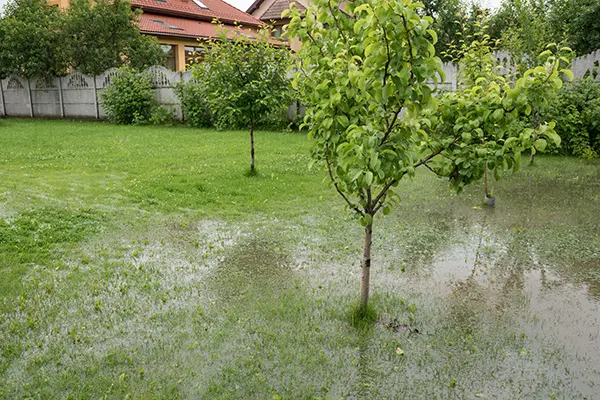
(252, 145)
(485, 182)
(366, 267)
(536, 123)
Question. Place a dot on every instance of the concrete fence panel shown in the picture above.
(16, 97)
(45, 95)
(79, 96)
(588, 65)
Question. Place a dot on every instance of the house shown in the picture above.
(181, 25)
(269, 12)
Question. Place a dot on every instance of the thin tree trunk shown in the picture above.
(252, 145)
(366, 267)
(485, 182)
(536, 123)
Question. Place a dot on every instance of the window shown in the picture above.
(200, 4)
(278, 32)
(193, 55)
(171, 56)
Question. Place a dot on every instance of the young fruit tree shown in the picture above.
(365, 74)
(492, 107)
(244, 79)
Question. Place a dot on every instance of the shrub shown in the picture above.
(274, 121)
(194, 108)
(576, 110)
(129, 99)
(162, 116)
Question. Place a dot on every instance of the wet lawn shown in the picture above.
(141, 263)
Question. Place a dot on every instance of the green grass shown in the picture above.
(142, 262)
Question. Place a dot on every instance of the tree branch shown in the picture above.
(337, 188)
(391, 125)
(429, 168)
(380, 204)
(418, 164)
(410, 49)
(315, 43)
(337, 24)
(429, 157)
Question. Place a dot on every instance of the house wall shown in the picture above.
(179, 44)
(62, 4)
(294, 43)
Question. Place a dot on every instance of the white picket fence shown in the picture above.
(77, 95)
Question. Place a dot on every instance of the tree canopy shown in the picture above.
(367, 74)
(104, 34)
(526, 26)
(32, 40)
(244, 79)
(40, 40)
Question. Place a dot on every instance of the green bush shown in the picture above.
(195, 110)
(576, 110)
(129, 99)
(275, 121)
(162, 116)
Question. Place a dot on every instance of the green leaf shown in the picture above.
(540, 144)
(404, 76)
(369, 178)
(498, 173)
(342, 120)
(433, 34)
(568, 73)
(366, 219)
(498, 114)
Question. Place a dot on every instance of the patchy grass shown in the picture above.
(141, 262)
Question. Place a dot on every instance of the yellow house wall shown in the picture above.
(62, 4)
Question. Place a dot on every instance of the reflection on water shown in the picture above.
(484, 273)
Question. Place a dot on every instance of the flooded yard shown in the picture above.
(144, 264)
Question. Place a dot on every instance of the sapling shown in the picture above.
(244, 79)
(366, 74)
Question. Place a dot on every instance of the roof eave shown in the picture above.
(254, 6)
(189, 15)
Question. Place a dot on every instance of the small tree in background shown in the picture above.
(244, 79)
(38, 40)
(105, 34)
(32, 41)
(359, 69)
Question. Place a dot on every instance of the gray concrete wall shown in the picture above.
(77, 95)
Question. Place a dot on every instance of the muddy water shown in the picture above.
(530, 269)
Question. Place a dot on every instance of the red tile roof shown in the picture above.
(187, 8)
(274, 12)
(186, 27)
(183, 27)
